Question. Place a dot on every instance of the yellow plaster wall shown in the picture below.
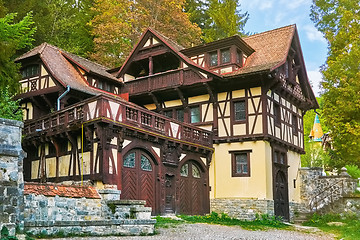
(173, 103)
(34, 169)
(51, 82)
(255, 91)
(51, 167)
(150, 106)
(200, 98)
(221, 127)
(238, 93)
(222, 96)
(29, 108)
(294, 163)
(258, 185)
(239, 129)
(43, 71)
(64, 162)
(209, 117)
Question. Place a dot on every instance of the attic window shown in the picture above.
(213, 59)
(30, 71)
(225, 56)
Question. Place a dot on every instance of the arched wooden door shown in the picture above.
(138, 178)
(191, 189)
(281, 197)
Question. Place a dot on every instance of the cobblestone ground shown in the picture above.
(214, 232)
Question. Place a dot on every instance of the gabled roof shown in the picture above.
(174, 47)
(271, 50)
(60, 65)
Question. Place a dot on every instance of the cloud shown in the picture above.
(313, 34)
(315, 79)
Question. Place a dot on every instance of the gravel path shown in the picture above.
(209, 232)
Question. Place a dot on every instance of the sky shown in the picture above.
(270, 14)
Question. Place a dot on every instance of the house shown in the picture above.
(212, 127)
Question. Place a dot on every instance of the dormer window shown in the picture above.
(225, 56)
(30, 71)
(213, 59)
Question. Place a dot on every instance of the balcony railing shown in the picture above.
(119, 112)
(163, 80)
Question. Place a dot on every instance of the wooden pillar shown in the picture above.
(151, 67)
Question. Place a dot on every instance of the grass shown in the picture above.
(262, 222)
(350, 228)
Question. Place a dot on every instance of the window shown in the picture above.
(145, 164)
(213, 59)
(30, 71)
(129, 160)
(180, 115)
(240, 163)
(225, 56)
(195, 171)
(277, 114)
(295, 124)
(239, 111)
(184, 171)
(194, 115)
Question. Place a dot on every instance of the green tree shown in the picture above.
(314, 156)
(339, 21)
(59, 22)
(118, 24)
(13, 37)
(217, 18)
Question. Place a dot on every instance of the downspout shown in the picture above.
(61, 96)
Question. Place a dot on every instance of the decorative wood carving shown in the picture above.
(171, 154)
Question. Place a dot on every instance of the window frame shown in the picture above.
(210, 58)
(190, 115)
(38, 67)
(221, 56)
(233, 111)
(234, 172)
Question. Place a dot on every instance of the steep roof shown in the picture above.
(59, 64)
(174, 47)
(271, 50)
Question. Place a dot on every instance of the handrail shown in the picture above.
(314, 202)
(131, 115)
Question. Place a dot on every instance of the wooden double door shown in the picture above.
(138, 178)
(186, 190)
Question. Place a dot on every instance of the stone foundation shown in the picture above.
(244, 209)
(98, 212)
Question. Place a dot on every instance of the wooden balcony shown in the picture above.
(118, 112)
(164, 80)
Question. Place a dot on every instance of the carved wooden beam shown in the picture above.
(211, 93)
(158, 105)
(182, 98)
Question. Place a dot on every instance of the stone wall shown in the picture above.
(244, 209)
(55, 208)
(11, 177)
(318, 191)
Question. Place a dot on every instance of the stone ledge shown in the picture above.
(12, 152)
(90, 223)
(10, 122)
(126, 202)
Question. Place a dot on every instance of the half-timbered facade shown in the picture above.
(250, 92)
(79, 127)
(219, 121)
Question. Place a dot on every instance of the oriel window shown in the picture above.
(225, 56)
(213, 59)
